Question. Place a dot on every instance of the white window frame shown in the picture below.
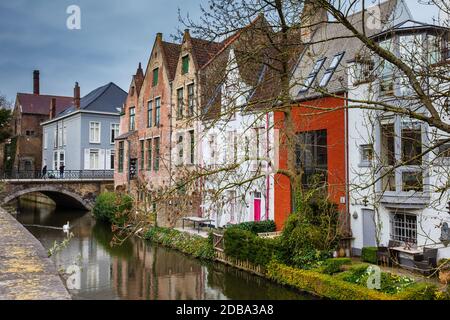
(45, 139)
(91, 138)
(91, 166)
(116, 128)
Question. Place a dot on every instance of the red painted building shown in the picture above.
(326, 130)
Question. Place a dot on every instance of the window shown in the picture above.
(404, 228)
(191, 101)
(212, 148)
(158, 112)
(331, 69)
(60, 135)
(180, 103)
(65, 135)
(387, 71)
(312, 156)
(94, 132)
(157, 155)
(180, 150)
(150, 114)
(185, 64)
(401, 143)
(155, 77)
(412, 181)
(45, 140)
(142, 155)
(444, 149)
(149, 154)
(121, 155)
(366, 154)
(111, 159)
(411, 143)
(388, 143)
(114, 131)
(132, 119)
(312, 76)
(55, 160)
(55, 137)
(192, 146)
(94, 159)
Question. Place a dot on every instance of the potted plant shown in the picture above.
(444, 271)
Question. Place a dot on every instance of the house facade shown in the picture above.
(399, 191)
(82, 137)
(23, 152)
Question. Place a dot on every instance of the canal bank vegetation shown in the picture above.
(190, 244)
(113, 208)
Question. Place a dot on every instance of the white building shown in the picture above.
(395, 185)
(237, 147)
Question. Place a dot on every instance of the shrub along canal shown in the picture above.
(137, 269)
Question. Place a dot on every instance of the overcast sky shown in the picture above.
(115, 35)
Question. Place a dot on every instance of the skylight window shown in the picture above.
(331, 69)
(312, 76)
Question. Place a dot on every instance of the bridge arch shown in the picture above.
(61, 196)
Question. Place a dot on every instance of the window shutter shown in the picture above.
(108, 160)
(101, 159)
(87, 154)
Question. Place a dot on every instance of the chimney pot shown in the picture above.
(76, 96)
(36, 89)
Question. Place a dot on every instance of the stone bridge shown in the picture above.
(69, 192)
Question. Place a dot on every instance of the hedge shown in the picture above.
(246, 246)
(369, 254)
(335, 288)
(257, 226)
(331, 266)
(321, 284)
(112, 207)
(190, 244)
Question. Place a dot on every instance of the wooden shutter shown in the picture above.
(87, 153)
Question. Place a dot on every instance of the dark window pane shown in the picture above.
(388, 144)
(412, 143)
(412, 181)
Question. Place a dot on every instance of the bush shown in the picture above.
(257, 226)
(322, 285)
(193, 245)
(246, 246)
(112, 208)
(332, 266)
(369, 254)
(301, 243)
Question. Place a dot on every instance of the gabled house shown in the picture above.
(81, 138)
(237, 131)
(24, 150)
(319, 90)
(407, 198)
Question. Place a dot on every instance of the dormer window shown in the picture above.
(313, 75)
(185, 64)
(132, 91)
(331, 69)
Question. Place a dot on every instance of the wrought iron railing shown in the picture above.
(58, 175)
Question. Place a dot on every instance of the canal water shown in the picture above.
(137, 269)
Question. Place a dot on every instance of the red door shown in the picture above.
(257, 209)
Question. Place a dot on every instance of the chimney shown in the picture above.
(313, 16)
(159, 36)
(76, 96)
(36, 82)
(52, 114)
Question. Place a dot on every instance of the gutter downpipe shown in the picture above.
(267, 167)
(347, 207)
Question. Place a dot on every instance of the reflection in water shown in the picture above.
(137, 269)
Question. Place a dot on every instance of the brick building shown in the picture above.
(24, 150)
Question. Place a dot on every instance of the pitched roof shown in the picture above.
(172, 54)
(332, 38)
(40, 104)
(204, 50)
(108, 98)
